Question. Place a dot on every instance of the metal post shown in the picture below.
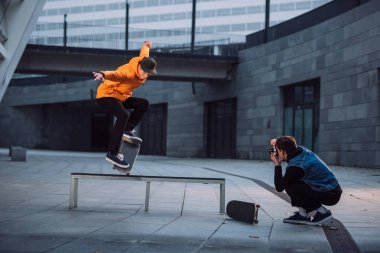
(126, 25)
(267, 13)
(64, 30)
(222, 198)
(73, 202)
(193, 26)
(147, 193)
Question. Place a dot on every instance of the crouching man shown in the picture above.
(308, 181)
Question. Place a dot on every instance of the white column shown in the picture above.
(16, 26)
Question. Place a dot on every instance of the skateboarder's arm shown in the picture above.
(119, 75)
(144, 52)
(292, 175)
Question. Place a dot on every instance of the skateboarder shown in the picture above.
(115, 95)
(308, 181)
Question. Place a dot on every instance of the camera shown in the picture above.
(272, 150)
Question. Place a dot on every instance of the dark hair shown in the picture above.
(148, 65)
(286, 143)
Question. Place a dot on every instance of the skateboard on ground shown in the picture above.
(243, 211)
(130, 152)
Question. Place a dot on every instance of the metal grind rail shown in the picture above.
(148, 179)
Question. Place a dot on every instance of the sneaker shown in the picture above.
(320, 218)
(117, 160)
(297, 218)
(131, 138)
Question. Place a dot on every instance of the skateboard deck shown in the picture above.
(130, 152)
(243, 211)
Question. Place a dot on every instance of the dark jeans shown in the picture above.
(124, 119)
(302, 195)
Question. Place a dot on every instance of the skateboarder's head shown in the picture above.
(149, 65)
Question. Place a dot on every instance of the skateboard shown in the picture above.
(130, 152)
(243, 211)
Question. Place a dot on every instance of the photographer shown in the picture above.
(308, 181)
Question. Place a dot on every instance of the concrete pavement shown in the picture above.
(110, 217)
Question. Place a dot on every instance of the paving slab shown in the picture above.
(182, 217)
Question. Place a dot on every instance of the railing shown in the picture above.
(91, 36)
(73, 202)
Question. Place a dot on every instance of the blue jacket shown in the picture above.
(317, 174)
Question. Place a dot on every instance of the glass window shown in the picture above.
(223, 12)
(180, 15)
(273, 7)
(166, 2)
(208, 13)
(180, 1)
(222, 28)
(138, 4)
(114, 6)
(255, 9)
(166, 17)
(288, 121)
(151, 3)
(317, 3)
(64, 11)
(138, 19)
(301, 112)
(303, 5)
(237, 27)
(100, 7)
(286, 7)
(88, 22)
(208, 29)
(40, 27)
(88, 8)
(239, 11)
(254, 26)
(152, 18)
(100, 22)
(113, 21)
(52, 12)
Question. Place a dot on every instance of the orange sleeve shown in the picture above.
(144, 51)
(119, 75)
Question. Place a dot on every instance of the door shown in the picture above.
(221, 128)
(100, 127)
(301, 112)
(153, 130)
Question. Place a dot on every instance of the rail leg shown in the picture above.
(73, 202)
(147, 193)
(222, 198)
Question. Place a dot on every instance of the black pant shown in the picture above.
(124, 119)
(302, 195)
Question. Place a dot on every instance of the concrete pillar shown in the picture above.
(16, 26)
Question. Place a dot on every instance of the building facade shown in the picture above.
(101, 23)
(321, 84)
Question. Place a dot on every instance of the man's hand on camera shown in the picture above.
(275, 159)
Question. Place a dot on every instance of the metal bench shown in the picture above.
(148, 179)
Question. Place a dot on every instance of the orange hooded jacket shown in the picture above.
(120, 83)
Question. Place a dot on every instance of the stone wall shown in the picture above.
(344, 53)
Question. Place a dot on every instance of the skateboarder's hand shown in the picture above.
(98, 76)
(148, 43)
(273, 142)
